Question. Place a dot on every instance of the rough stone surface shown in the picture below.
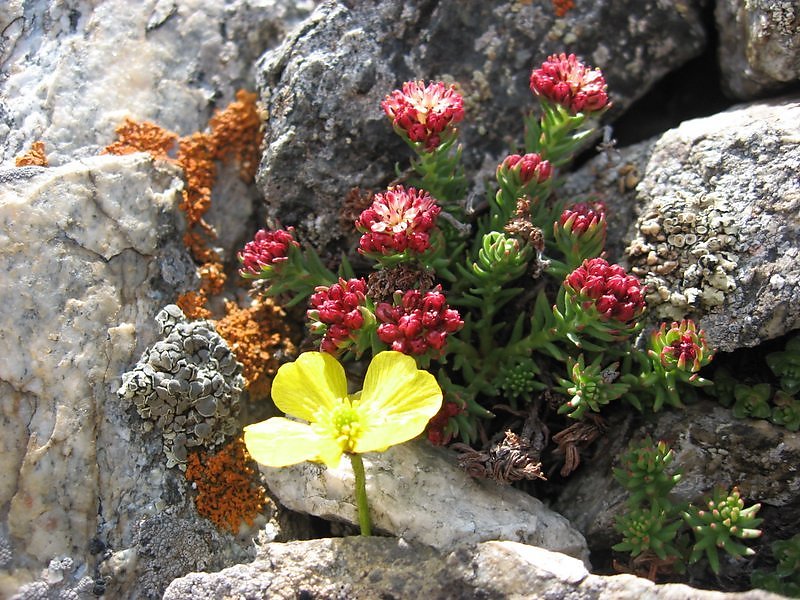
(390, 568)
(759, 45)
(417, 492)
(326, 132)
(716, 203)
(65, 65)
(90, 251)
(711, 447)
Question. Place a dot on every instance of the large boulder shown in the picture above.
(327, 134)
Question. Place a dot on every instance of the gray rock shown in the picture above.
(326, 132)
(416, 491)
(716, 202)
(759, 45)
(711, 447)
(64, 66)
(390, 568)
(90, 251)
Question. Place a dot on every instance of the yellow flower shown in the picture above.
(395, 405)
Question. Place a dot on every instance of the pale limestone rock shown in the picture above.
(417, 492)
(89, 252)
(390, 568)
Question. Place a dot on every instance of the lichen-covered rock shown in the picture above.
(326, 132)
(189, 384)
(376, 567)
(759, 45)
(711, 447)
(713, 211)
(67, 65)
(416, 491)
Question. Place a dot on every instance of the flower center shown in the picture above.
(344, 422)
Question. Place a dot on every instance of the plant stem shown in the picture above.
(361, 494)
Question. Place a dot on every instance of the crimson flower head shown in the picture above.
(336, 311)
(583, 216)
(415, 323)
(438, 424)
(398, 220)
(266, 251)
(566, 81)
(682, 346)
(426, 114)
(526, 168)
(616, 294)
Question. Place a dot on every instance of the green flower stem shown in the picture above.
(361, 494)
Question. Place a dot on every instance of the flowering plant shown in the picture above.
(516, 305)
(395, 405)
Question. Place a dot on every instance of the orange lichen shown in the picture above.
(235, 132)
(193, 305)
(228, 490)
(133, 136)
(562, 7)
(256, 335)
(34, 157)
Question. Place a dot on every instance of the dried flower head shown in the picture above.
(415, 323)
(614, 293)
(336, 313)
(566, 81)
(397, 223)
(266, 251)
(425, 114)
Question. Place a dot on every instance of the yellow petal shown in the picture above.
(279, 442)
(314, 380)
(397, 401)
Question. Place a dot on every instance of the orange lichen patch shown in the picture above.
(212, 277)
(193, 305)
(228, 491)
(237, 133)
(196, 157)
(133, 136)
(34, 157)
(256, 335)
(562, 7)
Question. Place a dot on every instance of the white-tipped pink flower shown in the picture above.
(426, 114)
(566, 81)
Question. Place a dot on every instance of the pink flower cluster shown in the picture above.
(582, 216)
(528, 168)
(267, 249)
(398, 220)
(337, 306)
(424, 112)
(566, 81)
(616, 294)
(417, 322)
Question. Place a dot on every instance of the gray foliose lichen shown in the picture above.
(188, 385)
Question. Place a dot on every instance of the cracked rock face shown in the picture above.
(64, 65)
(188, 384)
(759, 50)
(326, 132)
